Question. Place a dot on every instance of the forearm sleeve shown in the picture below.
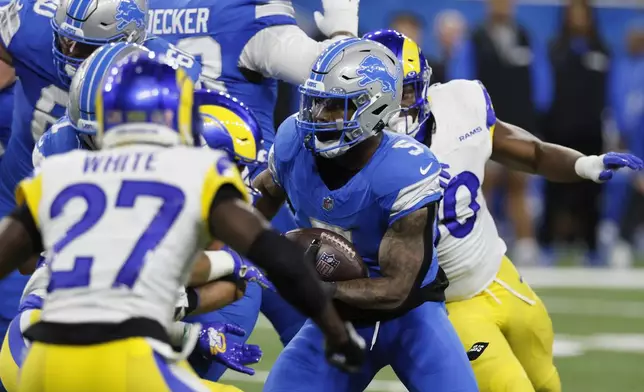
(295, 280)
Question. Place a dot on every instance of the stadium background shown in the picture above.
(598, 312)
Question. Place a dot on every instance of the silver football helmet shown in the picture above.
(354, 88)
(81, 26)
(88, 79)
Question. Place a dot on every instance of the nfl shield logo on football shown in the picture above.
(327, 203)
(326, 264)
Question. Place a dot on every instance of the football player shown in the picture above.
(341, 170)
(45, 41)
(104, 319)
(498, 317)
(77, 130)
(244, 46)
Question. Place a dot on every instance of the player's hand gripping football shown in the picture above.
(213, 343)
(248, 272)
(340, 16)
(601, 168)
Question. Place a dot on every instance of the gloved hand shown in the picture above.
(348, 356)
(444, 176)
(601, 168)
(340, 16)
(246, 271)
(213, 343)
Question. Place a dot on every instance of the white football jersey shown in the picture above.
(121, 227)
(470, 249)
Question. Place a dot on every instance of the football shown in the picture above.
(337, 260)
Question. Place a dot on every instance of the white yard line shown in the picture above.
(260, 378)
(576, 277)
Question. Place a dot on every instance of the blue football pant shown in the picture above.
(286, 320)
(243, 313)
(421, 347)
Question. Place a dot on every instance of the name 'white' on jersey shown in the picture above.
(470, 249)
(121, 228)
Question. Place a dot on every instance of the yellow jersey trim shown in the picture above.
(29, 192)
(214, 180)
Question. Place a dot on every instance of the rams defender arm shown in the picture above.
(238, 225)
(518, 149)
(273, 196)
(20, 240)
(405, 247)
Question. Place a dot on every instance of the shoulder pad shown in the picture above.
(31, 18)
(405, 161)
(288, 141)
(463, 98)
(58, 139)
(186, 61)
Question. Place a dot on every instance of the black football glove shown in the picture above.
(350, 355)
(311, 252)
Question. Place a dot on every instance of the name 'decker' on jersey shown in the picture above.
(178, 21)
(470, 249)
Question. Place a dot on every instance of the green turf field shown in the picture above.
(599, 343)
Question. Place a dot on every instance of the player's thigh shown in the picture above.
(127, 365)
(495, 366)
(285, 318)
(527, 327)
(425, 351)
(531, 337)
(14, 348)
(210, 385)
(302, 367)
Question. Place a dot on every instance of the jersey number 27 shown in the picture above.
(172, 201)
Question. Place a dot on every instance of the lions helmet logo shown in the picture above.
(127, 12)
(372, 69)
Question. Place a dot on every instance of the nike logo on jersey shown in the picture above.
(178, 21)
(469, 134)
(424, 171)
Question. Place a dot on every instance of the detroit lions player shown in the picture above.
(105, 312)
(496, 314)
(341, 170)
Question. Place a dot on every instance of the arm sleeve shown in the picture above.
(283, 52)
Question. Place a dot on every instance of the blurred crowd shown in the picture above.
(575, 91)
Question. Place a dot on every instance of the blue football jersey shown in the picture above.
(6, 113)
(59, 139)
(400, 178)
(216, 32)
(27, 35)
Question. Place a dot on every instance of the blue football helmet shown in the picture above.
(412, 119)
(354, 88)
(229, 125)
(87, 81)
(147, 98)
(82, 26)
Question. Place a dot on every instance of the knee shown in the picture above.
(550, 384)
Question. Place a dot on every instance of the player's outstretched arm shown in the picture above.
(516, 148)
(273, 196)
(20, 240)
(407, 244)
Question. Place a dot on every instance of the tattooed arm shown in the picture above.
(401, 256)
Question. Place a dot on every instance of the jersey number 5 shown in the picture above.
(450, 215)
(172, 203)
